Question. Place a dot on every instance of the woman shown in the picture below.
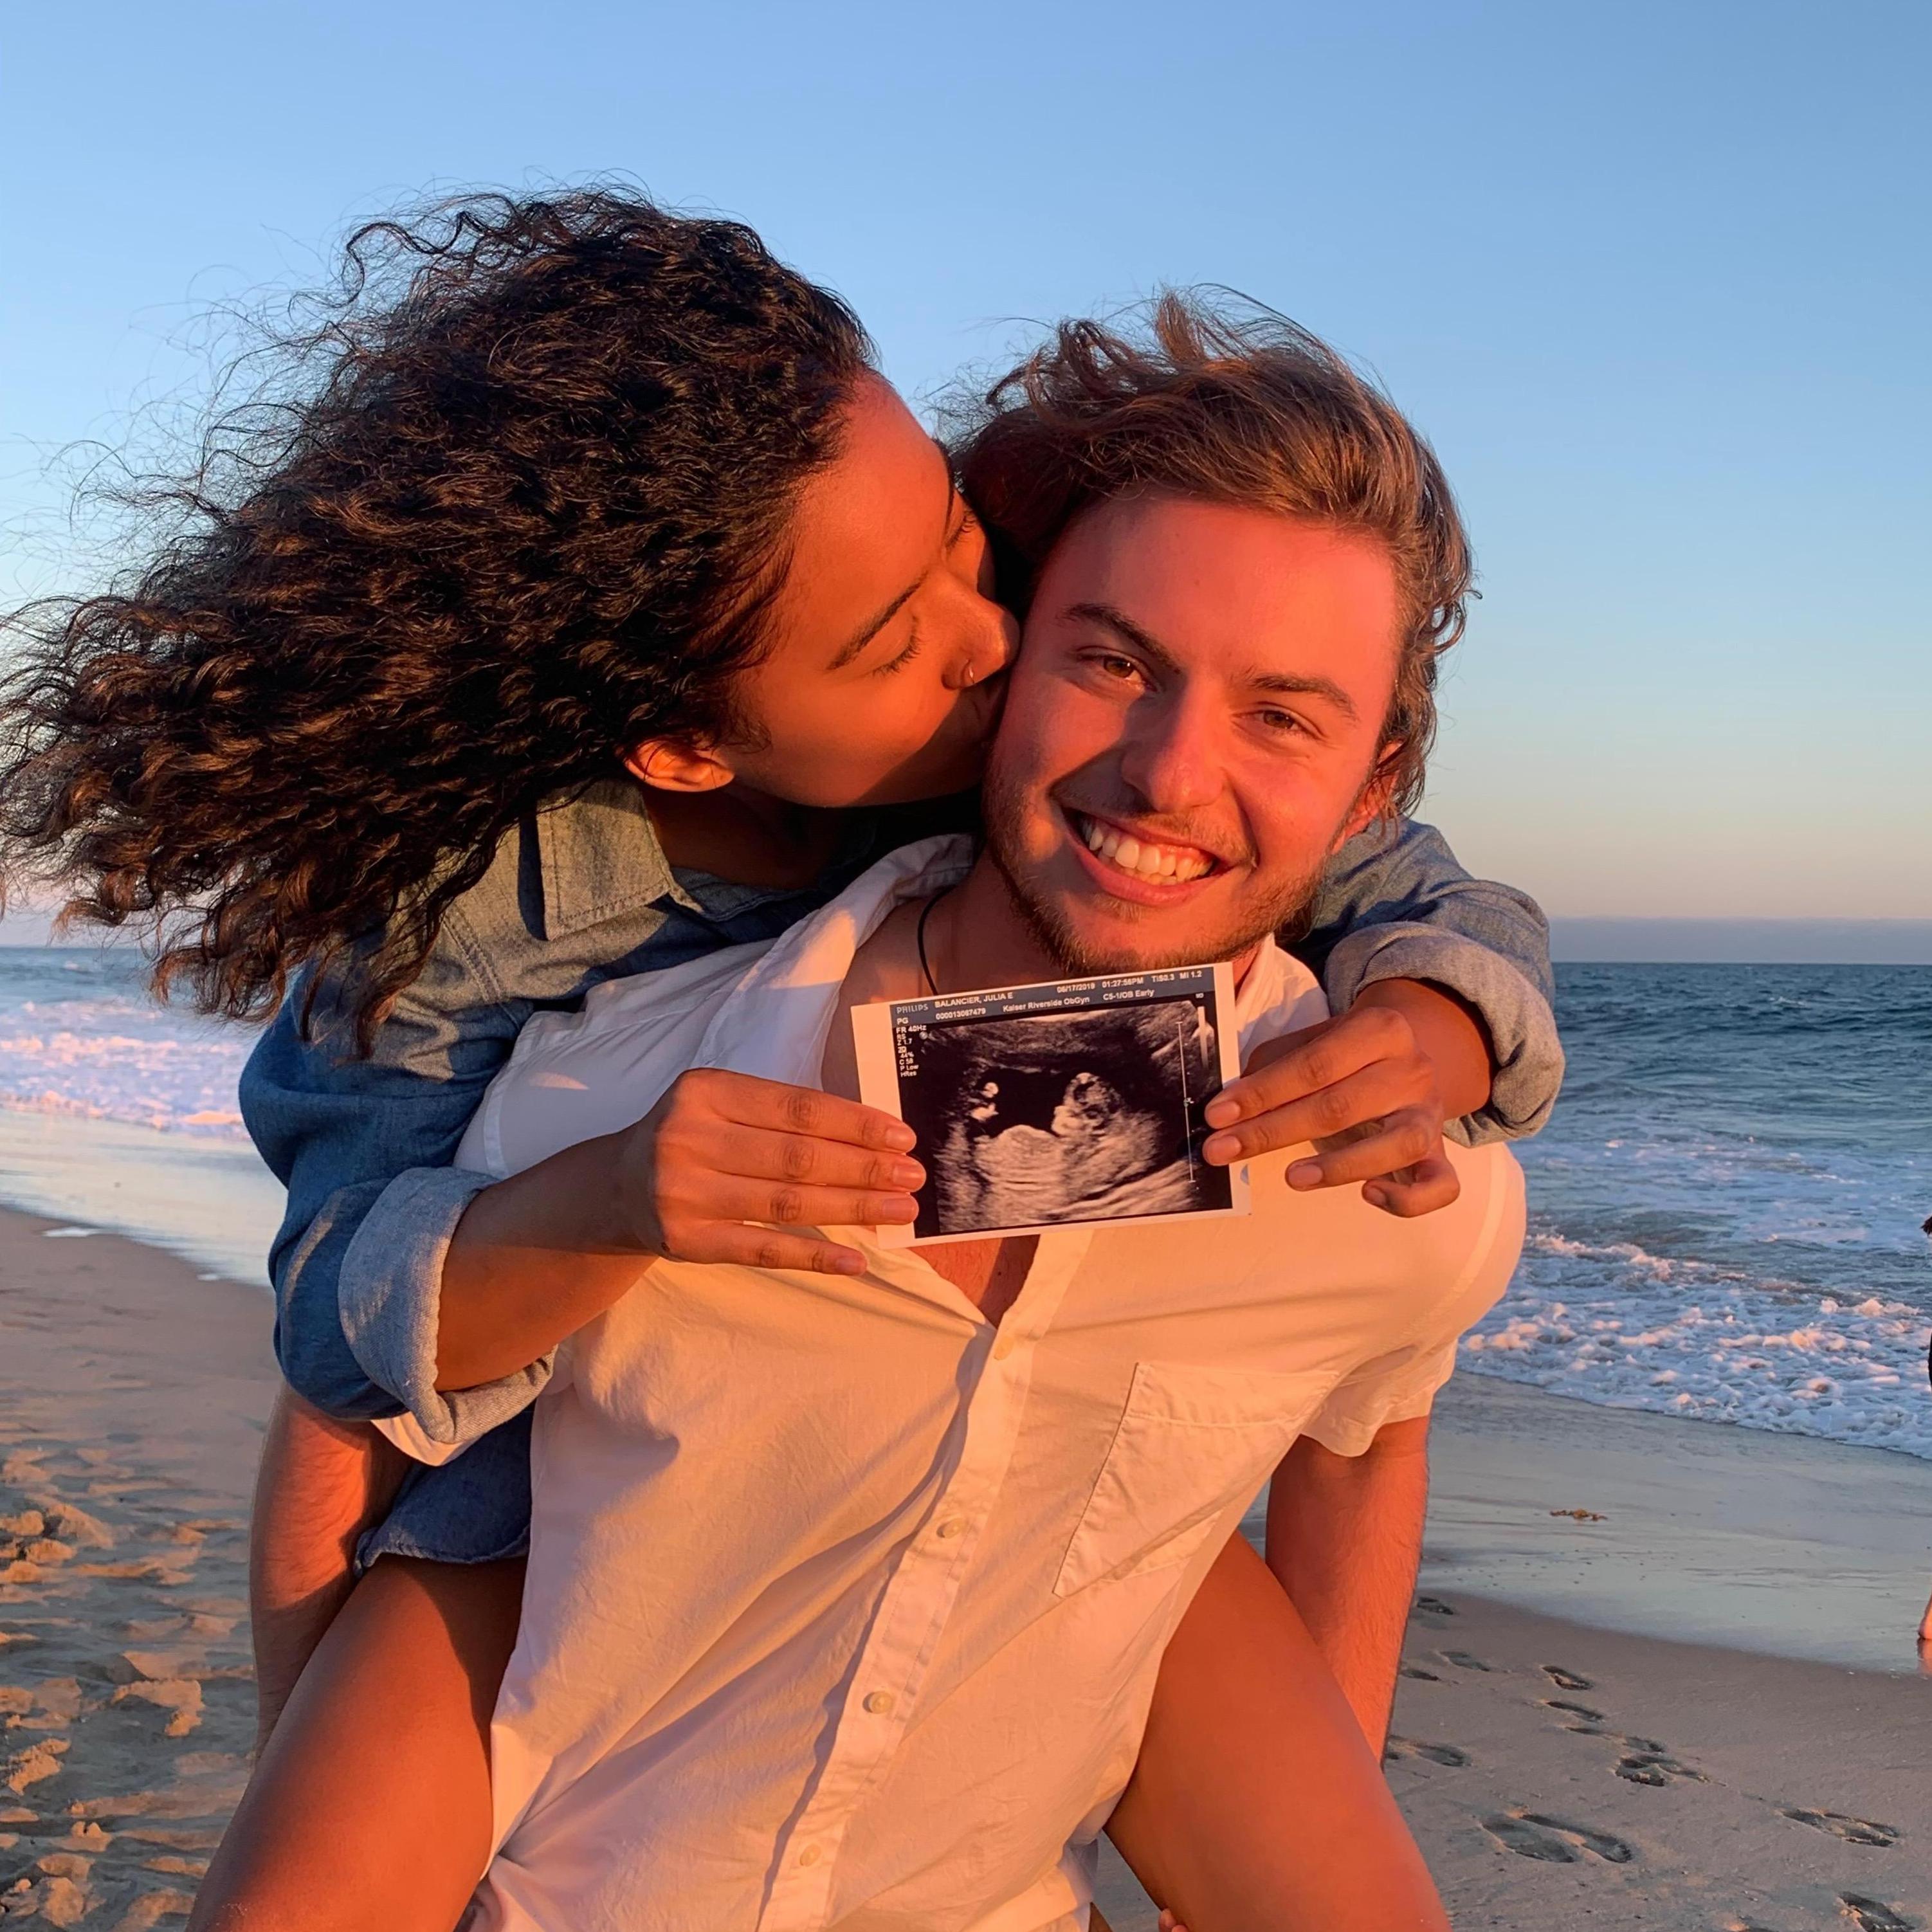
(594, 605)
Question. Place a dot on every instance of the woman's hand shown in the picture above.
(1371, 1089)
(538, 1255)
(723, 1152)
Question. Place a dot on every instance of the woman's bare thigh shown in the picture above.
(370, 1805)
(1257, 1805)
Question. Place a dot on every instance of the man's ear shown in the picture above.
(1373, 802)
(672, 764)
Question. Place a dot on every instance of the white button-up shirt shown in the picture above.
(845, 1604)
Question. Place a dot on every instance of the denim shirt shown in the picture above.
(581, 891)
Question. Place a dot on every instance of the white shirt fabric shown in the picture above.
(844, 1605)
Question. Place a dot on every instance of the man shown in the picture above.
(847, 1593)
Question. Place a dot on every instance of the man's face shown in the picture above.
(1191, 728)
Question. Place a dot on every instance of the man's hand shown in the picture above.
(1371, 1089)
(722, 1151)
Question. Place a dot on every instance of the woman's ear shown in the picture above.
(671, 764)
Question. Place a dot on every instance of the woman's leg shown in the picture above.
(1257, 1805)
(370, 1805)
(320, 1484)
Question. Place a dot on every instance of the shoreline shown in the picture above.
(1793, 1545)
(198, 1198)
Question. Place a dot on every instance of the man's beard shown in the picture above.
(1287, 913)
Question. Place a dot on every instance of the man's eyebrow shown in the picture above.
(1149, 645)
(1306, 687)
(1123, 625)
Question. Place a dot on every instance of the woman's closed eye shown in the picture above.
(905, 658)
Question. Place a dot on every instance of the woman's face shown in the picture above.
(882, 678)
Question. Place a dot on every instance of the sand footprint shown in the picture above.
(1409, 1669)
(1591, 1719)
(1649, 1763)
(1445, 1754)
(1533, 1834)
(1645, 1760)
(1463, 1661)
(1566, 1680)
(1853, 1830)
(1869, 1915)
(1435, 1607)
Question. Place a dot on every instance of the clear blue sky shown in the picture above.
(1654, 278)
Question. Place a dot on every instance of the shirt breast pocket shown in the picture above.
(1190, 1441)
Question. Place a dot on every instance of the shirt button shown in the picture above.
(879, 1702)
(1004, 1346)
(810, 1855)
(951, 1527)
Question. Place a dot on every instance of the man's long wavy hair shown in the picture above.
(1227, 404)
(512, 501)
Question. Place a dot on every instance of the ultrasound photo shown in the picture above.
(1035, 1106)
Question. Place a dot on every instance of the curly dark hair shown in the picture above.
(512, 500)
(1232, 404)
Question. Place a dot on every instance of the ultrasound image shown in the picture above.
(1088, 1115)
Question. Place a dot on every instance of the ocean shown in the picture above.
(1725, 1215)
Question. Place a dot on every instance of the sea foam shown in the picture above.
(112, 1059)
(1616, 1325)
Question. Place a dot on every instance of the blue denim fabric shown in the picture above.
(581, 893)
(1396, 904)
(474, 1509)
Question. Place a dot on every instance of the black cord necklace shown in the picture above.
(925, 964)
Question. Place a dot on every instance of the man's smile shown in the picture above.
(1137, 863)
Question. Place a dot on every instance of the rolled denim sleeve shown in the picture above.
(1397, 904)
(362, 1144)
(388, 1297)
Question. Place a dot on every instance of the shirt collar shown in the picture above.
(600, 857)
(775, 1021)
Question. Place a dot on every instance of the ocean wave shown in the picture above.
(1613, 1324)
(118, 1058)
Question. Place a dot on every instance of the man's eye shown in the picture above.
(1279, 721)
(1115, 665)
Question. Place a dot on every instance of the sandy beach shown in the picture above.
(133, 1393)
(1563, 1760)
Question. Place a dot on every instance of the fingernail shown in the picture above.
(1220, 1148)
(908, 1174)
(1374, 1197)
(1305, 1174)
(897, 1210)
(899, 1136)
(1221, 1112)
(849, 1263)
